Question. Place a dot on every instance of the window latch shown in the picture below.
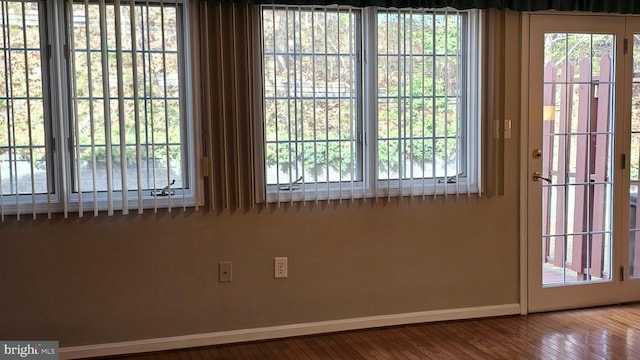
(293, 186)
(450, 179)
(166, 191)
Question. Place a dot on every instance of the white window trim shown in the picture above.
(370, 186)
(62, 198)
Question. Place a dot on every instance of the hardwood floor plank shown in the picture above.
(343, 348)
(232, 352)
(401, 343)
(322, 343)
(213, 353)
(282, 347)
(305, 349)
(258, 352)
(600, 333)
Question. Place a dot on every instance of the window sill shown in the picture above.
(41, 206)
(392, 188)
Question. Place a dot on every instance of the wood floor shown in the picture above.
(599, 333)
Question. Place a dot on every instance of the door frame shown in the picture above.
(619, 147)
(524, 163)
(630, 287)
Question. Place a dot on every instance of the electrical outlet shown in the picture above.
(280, 268)
(224, 271)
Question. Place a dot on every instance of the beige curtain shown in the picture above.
(224, 63)
(226, 90)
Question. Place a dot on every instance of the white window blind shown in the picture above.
(94, 107)
(362, 103)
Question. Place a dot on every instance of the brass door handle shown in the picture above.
(537, 176)
(536, 154)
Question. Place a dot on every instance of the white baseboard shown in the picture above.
(274, 332)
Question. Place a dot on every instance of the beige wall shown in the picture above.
(109, 279)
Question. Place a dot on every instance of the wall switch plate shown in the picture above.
(224, 271)
(280, 268)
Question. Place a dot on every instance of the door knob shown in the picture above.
(537, 176)
(536, 154)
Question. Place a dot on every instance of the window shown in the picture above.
(311, 98)
(93, 106)
(369, 102)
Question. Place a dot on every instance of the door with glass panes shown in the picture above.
(583, 161)
(630, 271)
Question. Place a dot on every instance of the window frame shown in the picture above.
(21, 203)
(326, 189)
(471, 116)
(367, 116)
(59, 119)
(185, 128)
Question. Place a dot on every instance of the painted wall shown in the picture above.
(109, 279)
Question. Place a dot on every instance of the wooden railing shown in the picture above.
(577, 126)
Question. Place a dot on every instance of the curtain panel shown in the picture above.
(223, 65)
(619, 6)
(226, 92)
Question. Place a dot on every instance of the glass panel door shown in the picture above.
(634, 164)
(630, 267)
(576, 157)
(573, 102)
